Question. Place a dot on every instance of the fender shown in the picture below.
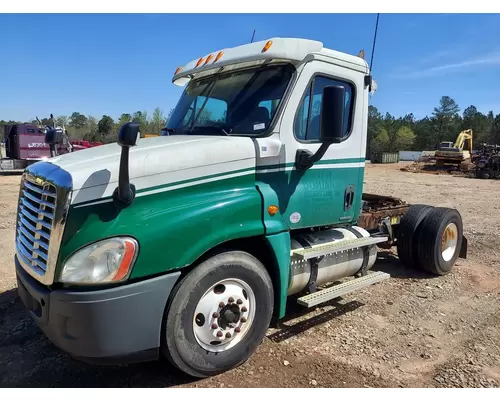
(173, 227)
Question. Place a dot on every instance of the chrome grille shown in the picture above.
(44, 198)
(37, 203)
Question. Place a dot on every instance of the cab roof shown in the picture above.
(293, 50)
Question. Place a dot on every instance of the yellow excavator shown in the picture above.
(458, 153)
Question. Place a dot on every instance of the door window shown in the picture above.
(307, 120)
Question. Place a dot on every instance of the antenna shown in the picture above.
(253, 35)
(374, 41)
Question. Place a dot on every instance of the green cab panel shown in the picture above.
(173, 227)
(317, 196)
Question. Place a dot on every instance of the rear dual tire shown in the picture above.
(430, 238)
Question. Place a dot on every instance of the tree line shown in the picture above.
(105, 130)
(386, 133)
(389, 134)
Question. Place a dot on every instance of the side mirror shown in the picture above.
(127, 138)
(332, 114)
(128, 134)
(53, 136)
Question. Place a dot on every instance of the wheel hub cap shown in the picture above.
(224, 315)
(449, 241)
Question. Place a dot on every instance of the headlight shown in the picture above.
(106, 261)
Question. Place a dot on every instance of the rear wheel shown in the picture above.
(218, 315)
(440, 240)
(407, 244)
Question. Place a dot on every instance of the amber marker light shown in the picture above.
(126, 261)
(178, 70)
(209, 58)
(272, 210)
(200, 61)
(221, 53)
(267, 46)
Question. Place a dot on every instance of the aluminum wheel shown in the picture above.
(449, 241)
(224, 315)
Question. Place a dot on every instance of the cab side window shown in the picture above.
(307, 120)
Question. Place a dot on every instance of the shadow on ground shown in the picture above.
(28, 359)
(389, 263)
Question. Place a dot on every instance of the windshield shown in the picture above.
(242, 102)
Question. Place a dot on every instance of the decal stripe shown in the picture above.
(261, 169)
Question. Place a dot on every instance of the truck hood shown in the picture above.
(154, 162)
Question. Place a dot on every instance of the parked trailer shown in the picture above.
(187, 246)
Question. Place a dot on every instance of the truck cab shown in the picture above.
(187, 245)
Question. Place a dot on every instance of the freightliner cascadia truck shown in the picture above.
(189, 245)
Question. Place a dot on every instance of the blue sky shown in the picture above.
(111, 64)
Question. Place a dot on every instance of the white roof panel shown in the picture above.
(291, 49)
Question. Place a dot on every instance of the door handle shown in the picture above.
(348, 197)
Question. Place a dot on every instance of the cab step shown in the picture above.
(333, 247)
(322, 296)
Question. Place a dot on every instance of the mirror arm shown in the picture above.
(305, 159)
(124, 194)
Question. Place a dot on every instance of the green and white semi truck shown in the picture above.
(189, 245)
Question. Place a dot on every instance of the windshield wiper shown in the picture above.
(226, 131)
(171, 130)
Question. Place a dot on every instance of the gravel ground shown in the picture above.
(410, 331)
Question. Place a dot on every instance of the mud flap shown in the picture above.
(463, 249)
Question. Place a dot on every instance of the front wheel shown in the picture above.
(218, 315)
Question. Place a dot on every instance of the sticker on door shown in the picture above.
(295, 217)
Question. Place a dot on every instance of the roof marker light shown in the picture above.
(209, 58)
(267, 46)
(200, 61)
(178, 70)
(221, 53)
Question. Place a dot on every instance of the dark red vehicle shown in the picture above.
(25, 144)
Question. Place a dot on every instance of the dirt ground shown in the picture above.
(410, 331)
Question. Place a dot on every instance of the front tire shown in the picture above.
(218, 315)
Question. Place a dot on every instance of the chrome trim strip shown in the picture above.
(37, 189)
(29, 236)
(43, 203)
(24, 221)
(33, 218)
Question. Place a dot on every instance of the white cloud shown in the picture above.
(490, 59)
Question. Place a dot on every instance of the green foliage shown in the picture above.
(444, 124)
(105, 128)
(77, 120)
(157, 120)
(385, 132)
(381, 142)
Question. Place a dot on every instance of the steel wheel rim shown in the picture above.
(224, 315)
(449, 241)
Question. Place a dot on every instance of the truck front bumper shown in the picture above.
(116, 325)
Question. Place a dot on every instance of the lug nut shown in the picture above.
(239, 301)
(244, 309)
(221, 304)
(243, 319)
(237, 329)
(230, 300)
(214, 326)
(228, 335)
(215, 315)
(219, 334)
